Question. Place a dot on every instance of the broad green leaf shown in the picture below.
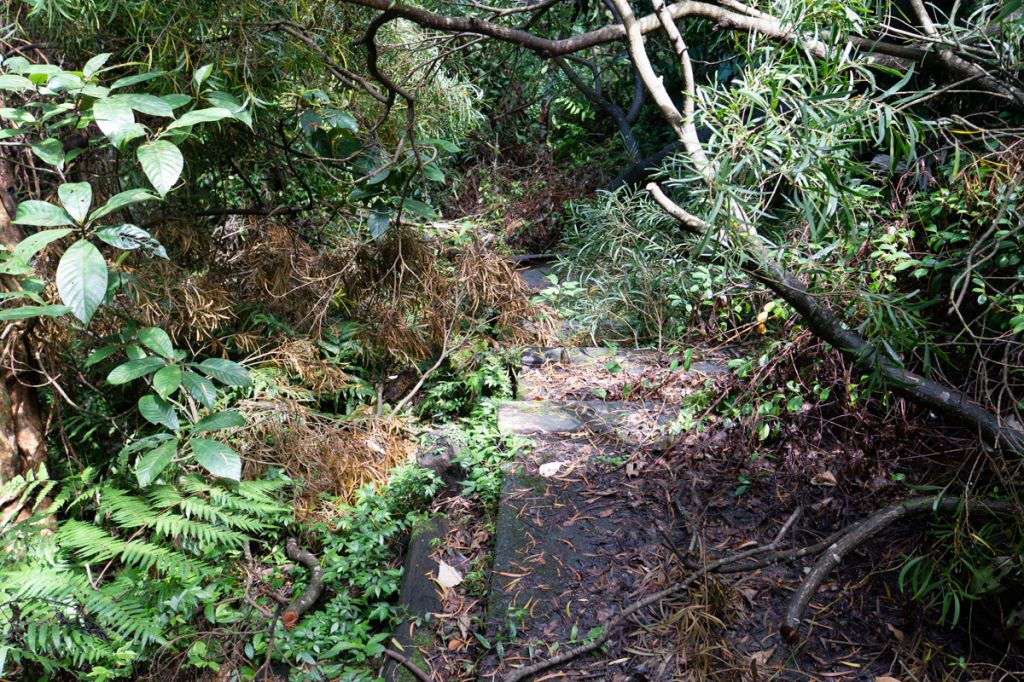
(122, 199)
(225, 371)
(133, 369)
(93, 66)
(101, 354)
(219, 420)
(17, 115)
(41, 214)
(146, 443)
(175, 100)
(131, 237)
(158, 411)
(76, 197)
(162, 163)
(419, 208)
(97, 91)
(114, 117)
(201, 74)
(217, 458)
(147, 104)
(341, 119)
(17, 64)
(167, 380)
(196, 116)
(62, 82)
(12, 83)
(50, 151)
(135, 79)
(378, 221)
(82, 279)
(200, 388)
(34, 243)
(157, 340)
(151, 464)
(27, 311)
(433, 173)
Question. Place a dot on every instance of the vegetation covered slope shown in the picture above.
(243, 242)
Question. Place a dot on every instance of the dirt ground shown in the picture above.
(615, 521)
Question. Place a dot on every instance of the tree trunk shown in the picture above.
(22, 437)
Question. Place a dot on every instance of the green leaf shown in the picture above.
(175, 100)
(219, 420)
(1009, 8)
(158, 411)
(167, 380)
(162, 163)
(76, 197)
(378, 221)
(133, 369)
(62, 82)
(114, 117)
(225, 371)
(200, 388)
(50, 150)
(201, 74)
(147, 104)
(134, 79)
(122, 199)
(217, 458)
(197, 116)
(130, 237)
(419, 208)
(101, 354)
(93, 66)
(158, 341)
(151, 464)
(34, 243)
(433, 173)
(27, 311)
(41, 214)
(82, 279)
(12, 83)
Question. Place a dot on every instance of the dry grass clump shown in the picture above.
(329, 455)
(301, 359)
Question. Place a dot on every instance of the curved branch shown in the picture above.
(857, 535)
(609, 107)
(545, 47)
(304, 601)
(826, 325)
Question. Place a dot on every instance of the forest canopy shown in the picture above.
(257, 256)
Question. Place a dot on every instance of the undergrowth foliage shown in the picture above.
(71, 574)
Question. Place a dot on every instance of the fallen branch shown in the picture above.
(610, 627)
(409, 665)
(304, 601)
(857, 535)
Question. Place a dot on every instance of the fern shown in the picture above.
(90, 572)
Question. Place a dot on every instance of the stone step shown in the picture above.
(628, 360)
(414, 636)
(637, 423)
(568, 533)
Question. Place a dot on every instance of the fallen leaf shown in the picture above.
(886, 678)
(825, 478)
(454, 644)
(896, 632)
(447, 576)
(550, 469)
